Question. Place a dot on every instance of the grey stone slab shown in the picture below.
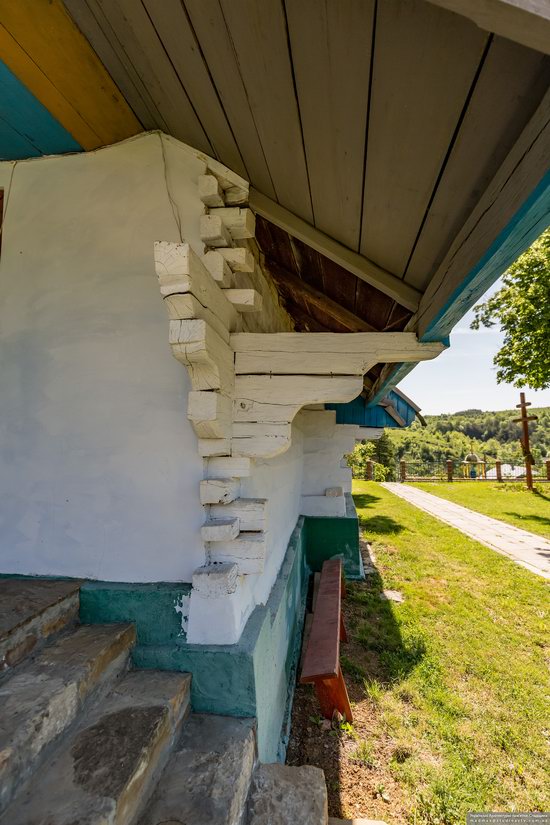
(31, 611)
(105, 770)
(285, 795)
(207, 779)
(525, 548)
(39, 700)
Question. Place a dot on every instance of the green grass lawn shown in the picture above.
(509, 502)
(456, 678)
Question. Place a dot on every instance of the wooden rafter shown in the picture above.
(361, 267)
(299, 290)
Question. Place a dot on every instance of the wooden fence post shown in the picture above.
(449, 470)
(548, 469)
(369, 471)
(403, 470)
(498, 468)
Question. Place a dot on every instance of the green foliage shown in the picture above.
(380, 452)
(522, 309)
(492, 434)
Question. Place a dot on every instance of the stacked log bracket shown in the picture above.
(248, 387)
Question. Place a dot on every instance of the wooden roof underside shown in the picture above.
(380, 123)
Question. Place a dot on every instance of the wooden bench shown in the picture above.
(321, 663)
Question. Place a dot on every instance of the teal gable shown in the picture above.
(395, 410)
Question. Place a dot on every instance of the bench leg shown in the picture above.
(333, 695)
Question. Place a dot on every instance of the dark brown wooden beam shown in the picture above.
(304, 321)
(297, 290)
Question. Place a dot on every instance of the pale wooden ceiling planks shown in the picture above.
(509, 88)
(424, 65)
(379, 123)
(259, 36)
(174, 30)
(331, 47)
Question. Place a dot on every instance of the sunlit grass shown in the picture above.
(456, 675)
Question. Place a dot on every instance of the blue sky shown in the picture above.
(463, 377)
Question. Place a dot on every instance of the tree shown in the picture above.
(522, 308)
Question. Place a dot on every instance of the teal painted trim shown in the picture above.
(329, 536)
(27, 129)
(528, 223)
(154, 608)
(254, 677)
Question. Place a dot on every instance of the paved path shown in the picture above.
(527, 549)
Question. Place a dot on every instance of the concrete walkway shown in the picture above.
(527, 549)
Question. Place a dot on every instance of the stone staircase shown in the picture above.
(87, 740)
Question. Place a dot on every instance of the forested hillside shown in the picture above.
(493, 434)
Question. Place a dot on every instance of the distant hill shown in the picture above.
(493, 434)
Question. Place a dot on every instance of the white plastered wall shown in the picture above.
(99, 472)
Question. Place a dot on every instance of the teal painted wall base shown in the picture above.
(257, 676)
(330, 536)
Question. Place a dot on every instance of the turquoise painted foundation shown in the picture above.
(328, 536)
(255, 677)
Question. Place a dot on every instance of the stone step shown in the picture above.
(207, 779)
(105, 769)
(31, 611)
(285, 795)
(42, 697)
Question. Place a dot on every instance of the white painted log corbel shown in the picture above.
(326, 353)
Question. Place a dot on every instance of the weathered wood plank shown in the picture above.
(172, 25)
(213, 231)
(231, 467)
(525, 21)
(251, 513)
(331, 52)
(216, 45)
(137, 37)
(300, 291)
(180, 270)
(208, 447)
(220, 529)
(523, 177)
(186, 307)
(510, 86)
(325, 353)
(91, 21)
(210, 191)
(247, 551)
(210, 413)
(208, 358)
(359, 265)
(279, 398)
(260, 440)
(244, 300)
(238, 258)
(418, 93)
(240, 223)
(218, 268)
(219, 490)
(258, 32)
